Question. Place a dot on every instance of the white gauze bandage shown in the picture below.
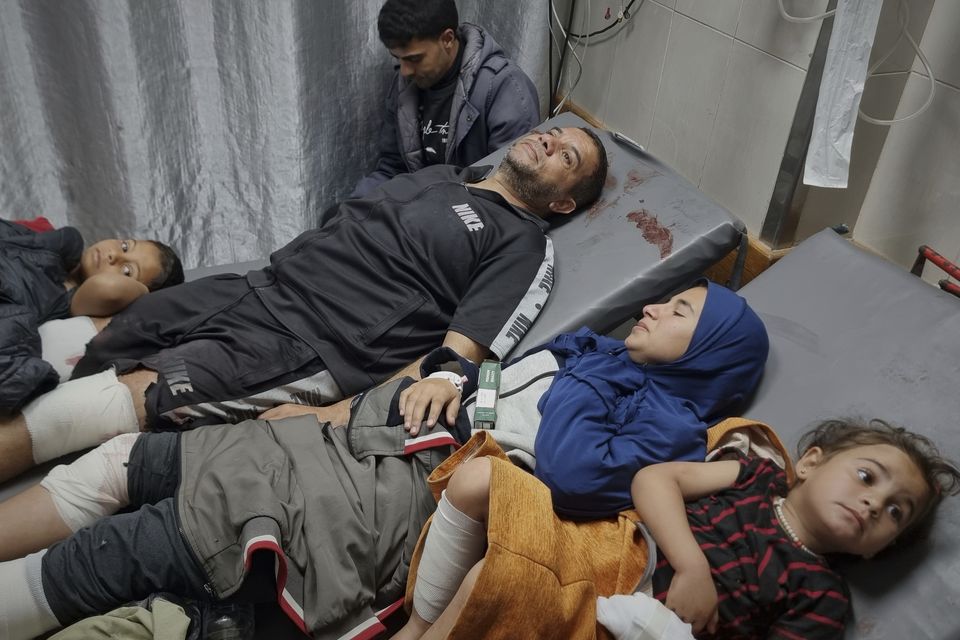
(64, 341)
(454, 544)
(24, 612)
(79, 414)
(640, 617)
(94, 485)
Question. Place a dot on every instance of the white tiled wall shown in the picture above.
(914, 196)
(709, 86)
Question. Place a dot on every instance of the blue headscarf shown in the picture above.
(605, 417)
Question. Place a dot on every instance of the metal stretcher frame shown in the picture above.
(852, 334)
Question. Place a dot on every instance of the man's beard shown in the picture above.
(527, 184)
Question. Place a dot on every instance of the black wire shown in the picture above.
(563, 51)
(617, 23)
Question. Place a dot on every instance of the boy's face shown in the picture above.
(664, 332)
(138, 259)
(857, 501)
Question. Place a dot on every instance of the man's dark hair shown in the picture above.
(401, 21)
(586, 191)
(171, 269)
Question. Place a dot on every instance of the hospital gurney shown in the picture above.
(650, 233)
(852, 334)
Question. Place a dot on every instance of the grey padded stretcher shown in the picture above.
(852, 334)
(650, 233)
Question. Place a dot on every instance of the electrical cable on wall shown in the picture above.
(623, 16)
(803, 19)
(566, 40)
(903, 17)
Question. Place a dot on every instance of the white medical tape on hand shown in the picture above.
(79, 414)
(94, 485)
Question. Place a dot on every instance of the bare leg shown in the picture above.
(100, 323)
(16, 452)
(32, 512)
(468, 491)
(138, 381)
(16, 449)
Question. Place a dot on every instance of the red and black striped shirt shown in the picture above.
(768, 586)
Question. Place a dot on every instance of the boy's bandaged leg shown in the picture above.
(94, 485)
(454, 544)
(79, 414)
(24, 612)
(64, 341)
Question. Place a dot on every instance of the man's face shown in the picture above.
(425, 60)
(543, 167)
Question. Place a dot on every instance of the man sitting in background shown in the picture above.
(456, 97)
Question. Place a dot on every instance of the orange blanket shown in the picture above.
(542, 575)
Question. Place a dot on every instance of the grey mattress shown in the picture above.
(852, 334)
(651, 233)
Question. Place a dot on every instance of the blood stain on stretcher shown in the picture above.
(653, 232)
(603, 203)
(637, 176)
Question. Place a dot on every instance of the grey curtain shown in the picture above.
(223, 127)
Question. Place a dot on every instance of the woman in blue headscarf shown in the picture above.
(615, 407)
(599, 409)
(612, 408)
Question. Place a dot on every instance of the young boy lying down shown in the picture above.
(49, 275)
(745, 554)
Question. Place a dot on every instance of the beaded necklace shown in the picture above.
(778, 509)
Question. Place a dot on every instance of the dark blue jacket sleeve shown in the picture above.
(588, 460)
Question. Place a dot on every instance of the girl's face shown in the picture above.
(856, 501)
(664, 332)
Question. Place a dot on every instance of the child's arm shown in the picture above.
(426, 400)
(104, 294)
(659, 492)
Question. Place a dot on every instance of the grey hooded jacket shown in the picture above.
(493, 103)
